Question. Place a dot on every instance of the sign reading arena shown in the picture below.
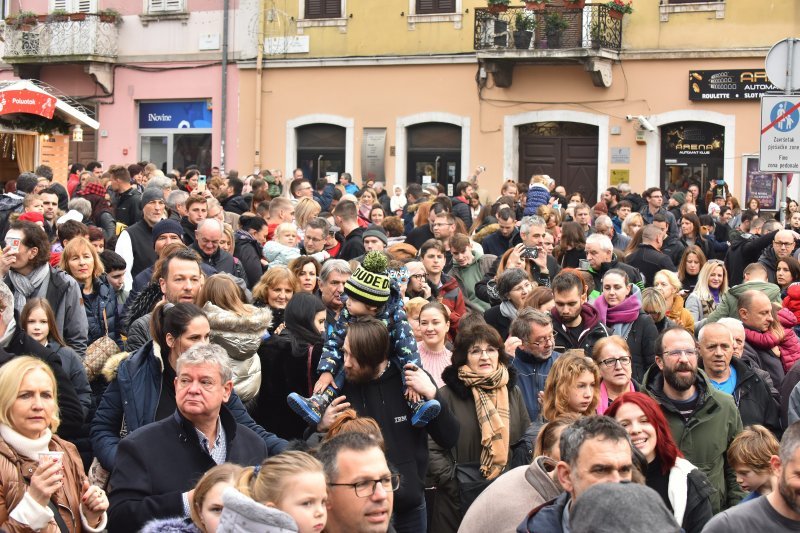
(728, 84)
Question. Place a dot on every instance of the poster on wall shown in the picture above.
(54, 152)
(760, 185)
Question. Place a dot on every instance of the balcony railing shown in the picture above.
(592, 27)
(90, 39)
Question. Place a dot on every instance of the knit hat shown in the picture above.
(33, 216)
(636, 508)
(601, 207)
(152, 194)
(679, 197)
(92, 188)
(167, 225)
(370, 282)
(377, 232)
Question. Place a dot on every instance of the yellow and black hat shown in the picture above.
(370, 282)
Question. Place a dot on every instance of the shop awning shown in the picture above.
(26, 96)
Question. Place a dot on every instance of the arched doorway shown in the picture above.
(434, 149)
(566, 151)
(320, 149)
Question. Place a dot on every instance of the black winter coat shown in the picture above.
(103, 297)
(353, 245)
(147, 485)
(641, 341)
(754, 399)
(284, 371)
(461, 210)
(128, 207)
(495, 318)
(649, 261)
(235, 204)
(742, 252)
(406, 446)
(248, 252)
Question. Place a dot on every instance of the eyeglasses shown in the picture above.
(366, 488)
(419, 277)
(611, 362)
(679, 353)
(477, 352)
(440, 224)
(783, 244)
(544, 342)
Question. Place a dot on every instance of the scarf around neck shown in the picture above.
(626, 312)
(490, 393)
(25, 446)
(508, 310)
(25, 286)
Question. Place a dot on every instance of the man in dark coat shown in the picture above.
(648, 258)
(735, 377)
(782, 245)
(601, 257)
(461, 207)
(233, 201)
(207, 237)
(135, 243)
(576, 324)
(498, 242)
(128, 201)
(199, 435)
(747, 248)
(755, 312)
(346, 217)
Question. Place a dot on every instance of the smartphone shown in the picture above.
(583, 264)
(13, 243)
(529, 253)
(201, 183)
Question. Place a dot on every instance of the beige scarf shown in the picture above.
(491, 404)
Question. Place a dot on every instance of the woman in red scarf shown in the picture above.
(619, 308)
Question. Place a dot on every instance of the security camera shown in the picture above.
(645, 124)
(629, 117)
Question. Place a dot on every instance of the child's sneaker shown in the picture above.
(424, 412)
(311, 409)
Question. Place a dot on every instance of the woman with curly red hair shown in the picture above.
(684, 488)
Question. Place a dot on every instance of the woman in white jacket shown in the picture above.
(237, 327)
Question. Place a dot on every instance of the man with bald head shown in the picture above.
(648, 257)
(207, 237)
(735, 376)
(755, 312)
(783, 244)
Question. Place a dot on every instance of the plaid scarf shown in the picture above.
(491, 404)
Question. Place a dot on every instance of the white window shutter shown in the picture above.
(174, 5)
(59, 5)
(155, 6)
(84, 6)
(165, 6)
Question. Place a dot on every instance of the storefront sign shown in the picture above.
(373, 154)
(780, 134)
(620, 176)
(692, 139)
(24, 101)
(194, 114)
(728, 84)
(760, 185)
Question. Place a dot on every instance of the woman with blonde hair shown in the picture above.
(238, 327)
(367, 199)
(632, 223)
(667, 283)
(712, 284)
(42, 482)
(654, 305)
(274, 290)
(305, 210)
(572, 387)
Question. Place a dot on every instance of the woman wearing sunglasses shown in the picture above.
(613, 357)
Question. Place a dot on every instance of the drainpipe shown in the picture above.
(224, 110)
(259, 72)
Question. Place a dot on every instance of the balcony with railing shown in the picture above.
(591, 35)
(66, 39)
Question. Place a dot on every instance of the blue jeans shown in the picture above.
(411, 521)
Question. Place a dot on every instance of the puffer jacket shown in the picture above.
(729, 302)
(279, 254)
(792, 299)
(537, 196)
(241, 514)
(170, 525)
(789, 345)
(680, 315)
(241, 336)
(16, 470)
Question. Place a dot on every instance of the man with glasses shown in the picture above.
(734, 376)
(360, 484)
(782, 246)
(703, 420)
(531, 341)
(655, 204)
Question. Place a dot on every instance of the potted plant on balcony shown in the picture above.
(24, 20)
(524, 26)
(618, 8)
(77, 17)
(57, 15)
(554, 26)
(536, 5)
(110, 16)
(498, 6)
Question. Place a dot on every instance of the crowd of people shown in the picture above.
(192, 353)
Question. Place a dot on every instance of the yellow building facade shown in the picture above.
(428, 90)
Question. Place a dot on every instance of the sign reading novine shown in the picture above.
(192, 114)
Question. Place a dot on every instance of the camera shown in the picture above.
(529, 253)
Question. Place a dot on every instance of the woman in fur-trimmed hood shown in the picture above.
(237, 327)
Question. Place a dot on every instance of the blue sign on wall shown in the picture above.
(193, 114)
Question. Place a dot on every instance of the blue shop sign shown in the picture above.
(193, 114)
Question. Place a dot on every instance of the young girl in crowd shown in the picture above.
(292, 482)
(572, 387)
(370, 292)
(749, 455)
(780, 334)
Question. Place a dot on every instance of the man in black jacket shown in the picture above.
(200, 434)
(461, 207)
(346, 217)
(233, 201)
(648, 257)
(735, 377)
(498, 242)
(209, 233)
(374, 388)
(747, 248)
(601, 257)
(128, 202)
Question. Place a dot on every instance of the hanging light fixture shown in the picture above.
(77, 133)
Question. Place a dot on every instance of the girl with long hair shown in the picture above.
(571, 248)
(692, 262)
(712, 284)
(572, 387)
(667, 283)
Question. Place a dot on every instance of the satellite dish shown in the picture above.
(777, 64)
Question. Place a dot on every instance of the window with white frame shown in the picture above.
(74, 6)
(672, 7)
(157, 7)
(322, 13)
(434, 11)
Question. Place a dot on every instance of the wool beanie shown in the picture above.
(167, 226)
(377, 232)
(679, 197)
(152, 194)
(600, 207)
(370, 282)
(635, 508)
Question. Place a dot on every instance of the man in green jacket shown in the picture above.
(702, 419)
(470, 265)
(755, 279)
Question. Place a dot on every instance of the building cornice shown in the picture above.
(374, 61)
(708, 53)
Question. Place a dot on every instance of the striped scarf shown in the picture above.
(491, 404)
